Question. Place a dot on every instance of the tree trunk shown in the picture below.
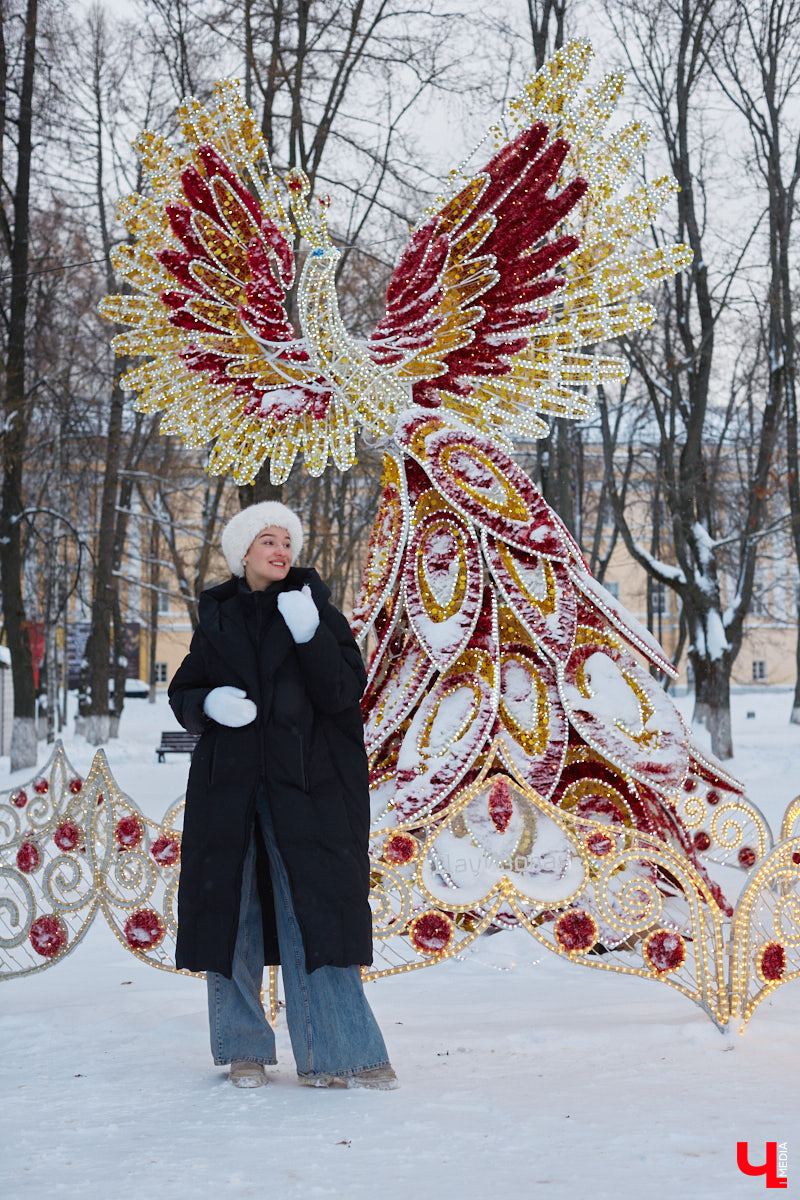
(23, 734)
(795, 714)
(260, 489)
(152, 609)
(712, 674)
(98, 647)
(719, 707)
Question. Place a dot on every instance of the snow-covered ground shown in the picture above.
(522, 1075)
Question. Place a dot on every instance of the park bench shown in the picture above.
(176, 741)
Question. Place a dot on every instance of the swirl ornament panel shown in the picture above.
(499, 840)
(765, 938)
(32, 807)
(575, 871)
(601, 894)
(89, 851)
(725, 827)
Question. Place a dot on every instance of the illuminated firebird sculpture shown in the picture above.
(525, 767)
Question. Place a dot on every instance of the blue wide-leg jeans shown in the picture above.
(331, 1026)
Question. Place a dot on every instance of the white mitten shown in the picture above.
(300, 613)
(229, 706)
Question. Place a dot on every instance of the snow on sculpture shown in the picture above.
(526, 769)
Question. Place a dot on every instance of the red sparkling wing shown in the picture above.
(631, 629)
(388, 702)
(471, 282)
(445, 736)
(385, 553)
(713, 775)
(232, 276)
(452, 724)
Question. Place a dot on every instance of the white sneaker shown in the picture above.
(380, 1079)
(246, 1074)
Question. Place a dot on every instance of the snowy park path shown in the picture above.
(519, 1078)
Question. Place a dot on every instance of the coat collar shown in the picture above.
(223, 618)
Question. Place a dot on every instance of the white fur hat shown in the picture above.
(240, 532)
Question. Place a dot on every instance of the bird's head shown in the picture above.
(313, 227)
(323, 258)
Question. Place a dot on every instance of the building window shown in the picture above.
(759, 670)
(161, 672)
(163, 602)
(658, 596)
(613, 588)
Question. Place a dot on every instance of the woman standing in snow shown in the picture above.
(274, 855)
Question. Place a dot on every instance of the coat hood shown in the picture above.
(213, 599)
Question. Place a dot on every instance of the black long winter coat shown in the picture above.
(306, 748)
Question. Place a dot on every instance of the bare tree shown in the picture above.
(187, 509)
(18, 63)
(758, 67)
(668, 45)
(99, 123)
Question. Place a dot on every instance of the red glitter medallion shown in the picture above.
(400, 848)
(576, 931)
(599, 844)
(128, 832)
(431, 932)
(166, 850)
(701, 840)
(664, 951)
(20, 798)
(48, 935)
(75, 785)
(771, 962)
(67, 836)
(500, 807)
(144, 930)
(40, 785)
(747, 856)
(28, 858)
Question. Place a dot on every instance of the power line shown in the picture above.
(89, 262)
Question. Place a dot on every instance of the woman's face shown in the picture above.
(268, 558)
